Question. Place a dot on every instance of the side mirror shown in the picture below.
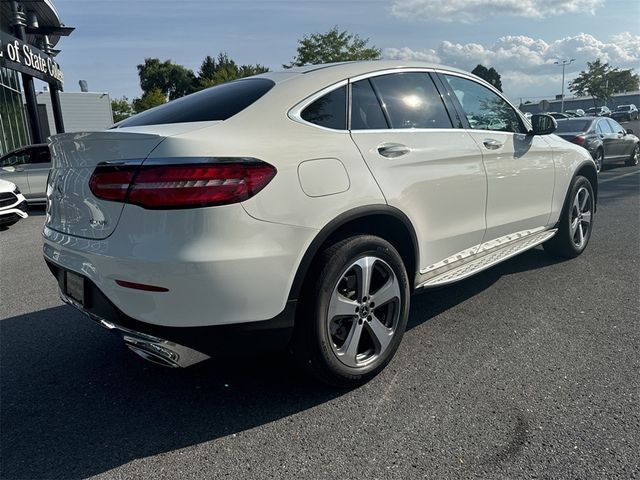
(629, 131)
(543, 124)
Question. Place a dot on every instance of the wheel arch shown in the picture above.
(382, 220)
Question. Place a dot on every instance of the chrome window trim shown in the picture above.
(295, 113)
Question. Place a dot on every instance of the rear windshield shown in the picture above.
(573, 125)
(216, 103)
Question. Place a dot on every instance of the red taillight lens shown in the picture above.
(111, 183)
(183, 186)
(579, 140)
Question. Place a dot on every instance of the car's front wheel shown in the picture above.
(634, 158)
(353, 312)
(576, 221)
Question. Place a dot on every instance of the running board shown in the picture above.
(487, 257)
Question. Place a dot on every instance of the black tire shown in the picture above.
(317, 337)
(599, 160)
(633, 159)
(565, 243)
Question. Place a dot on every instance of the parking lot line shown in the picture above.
(619, 176)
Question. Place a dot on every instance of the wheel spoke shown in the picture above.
(389, 291)
(574, 225)
(586, 217)
(381, 335)
(341, 306)
(583, 203)
(349, 349)
(576, 206)
(364, 276)
(580, 235)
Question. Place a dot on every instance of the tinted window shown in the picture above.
(615, 126)
(18, 158)
(39, 155)
(366, 112)
(216, 103)
(329, 111)
(411, 101)
(483, 108)
(603, 127)
(573, 126)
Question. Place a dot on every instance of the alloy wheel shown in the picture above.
(599, 160)
(363, 312)
(581, 213)
(636, 155)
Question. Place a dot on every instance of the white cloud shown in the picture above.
(470, 11)
(526, 63)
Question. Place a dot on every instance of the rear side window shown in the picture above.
(411, 101)
(604, 128)
(366, 112)
(216, 103)
(329, 111)
(40, 155)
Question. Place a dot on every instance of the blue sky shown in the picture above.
(520, 38)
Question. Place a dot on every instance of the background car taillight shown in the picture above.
(579, 140)
(182, 185)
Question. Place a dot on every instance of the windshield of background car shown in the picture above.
(624, 108)
(483, 108)
(216, 103)
(573, 125)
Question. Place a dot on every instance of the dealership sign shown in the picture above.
(19, 55)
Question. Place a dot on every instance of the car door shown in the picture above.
(608, 137)
(13, 169)
(622, 144)
(425, 167)
(37, 169)
(520, 168)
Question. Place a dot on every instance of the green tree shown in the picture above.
(601, 81)
(333, 46)
(489, 75)
(173, 80)
(121, 109)
(150, 99)
(224, 69)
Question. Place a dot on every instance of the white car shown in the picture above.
(303, 208)
(13, 206)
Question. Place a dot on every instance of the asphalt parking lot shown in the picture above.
(528, 370)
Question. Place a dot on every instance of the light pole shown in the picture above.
(564, 63)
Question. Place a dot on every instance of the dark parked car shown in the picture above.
(605, 139)
(28, 167)
(598, 112)
(624, 113)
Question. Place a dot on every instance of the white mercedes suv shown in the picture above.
(303, 208)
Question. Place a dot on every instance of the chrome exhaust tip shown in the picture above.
(153, 349)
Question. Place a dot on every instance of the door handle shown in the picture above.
(492, 144)
(393, 150)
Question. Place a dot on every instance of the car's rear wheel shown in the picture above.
(576, 221)
(599, 160)
(353, 312)
(634, 158)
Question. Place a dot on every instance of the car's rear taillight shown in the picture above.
(182, 185)
(579, 140)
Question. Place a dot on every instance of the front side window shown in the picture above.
(18, 158)
(411, 101)
(615, 126)
(329, 111)
(483, 108)
(604, 128)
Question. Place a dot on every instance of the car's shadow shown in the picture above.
(75, 402)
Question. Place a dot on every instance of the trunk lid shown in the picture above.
(71, 207)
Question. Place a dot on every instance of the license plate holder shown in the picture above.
(74, 286)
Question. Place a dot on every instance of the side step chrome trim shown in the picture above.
(157, 350)
(489, 254)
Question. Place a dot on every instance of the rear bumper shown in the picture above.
(182, 346)
(219, 266)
